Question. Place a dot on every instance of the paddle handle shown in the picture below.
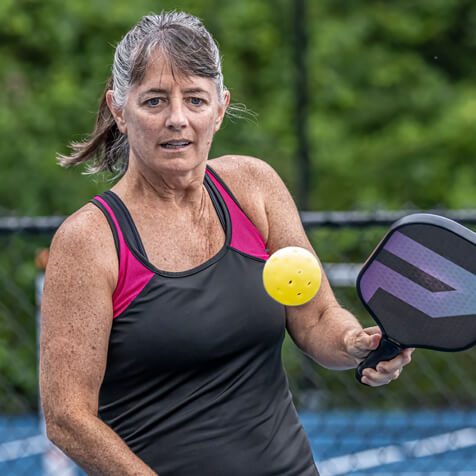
(386, 350)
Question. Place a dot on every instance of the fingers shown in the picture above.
(375, 378)
(386, 372)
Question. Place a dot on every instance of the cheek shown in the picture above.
(143, 129)
(209, 135)
(207, 128)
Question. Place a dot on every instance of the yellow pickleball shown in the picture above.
(292, 276)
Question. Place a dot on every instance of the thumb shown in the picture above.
(374, 337)
(363, 341)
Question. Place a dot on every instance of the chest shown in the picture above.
(179, 242)
(179, 323)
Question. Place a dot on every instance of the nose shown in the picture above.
(176, 118)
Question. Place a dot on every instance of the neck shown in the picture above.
(173, 189)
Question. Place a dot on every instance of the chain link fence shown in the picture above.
(424, 423)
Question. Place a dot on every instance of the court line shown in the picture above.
(366, 459)
(32, 446)
(377, 457)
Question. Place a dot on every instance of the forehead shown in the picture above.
(160, 73)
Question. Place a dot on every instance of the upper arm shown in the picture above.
(77, 313)
(285, 229)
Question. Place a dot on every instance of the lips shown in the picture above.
(175, 144)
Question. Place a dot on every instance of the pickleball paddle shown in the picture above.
(419, 285)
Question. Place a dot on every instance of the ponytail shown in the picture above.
(106, 149)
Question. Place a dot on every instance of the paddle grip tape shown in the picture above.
(386, 350)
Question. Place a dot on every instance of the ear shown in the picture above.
(117, 113)
(222, 109)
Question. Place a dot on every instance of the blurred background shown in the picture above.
(366, 108)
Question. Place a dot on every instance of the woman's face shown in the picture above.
(170, 119)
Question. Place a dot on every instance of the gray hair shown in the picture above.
(182, 39)
(189, 48)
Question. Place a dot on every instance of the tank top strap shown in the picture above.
(126, 222)
(102, 203)
(219, 205)
(245, 237)
(133, 276)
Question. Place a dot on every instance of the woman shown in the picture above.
(160, 350)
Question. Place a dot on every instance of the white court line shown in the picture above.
(377, 457)
(34, 445)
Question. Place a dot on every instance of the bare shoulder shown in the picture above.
(81, 230)
(85, 240)
(250, 180)
(252, 177)
(249, 176)
(242, 171)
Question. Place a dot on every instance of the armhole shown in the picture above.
(133, 276)
(228, 191)
(111, 225)
(245, 236)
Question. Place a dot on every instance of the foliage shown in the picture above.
(391, 101)
(394, 104)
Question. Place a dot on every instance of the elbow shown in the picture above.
(60, 425)
(56, 423)
(56, 428)
(53, 432)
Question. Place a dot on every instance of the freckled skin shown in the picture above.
(165, 194)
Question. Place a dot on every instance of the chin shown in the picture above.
(179, 163)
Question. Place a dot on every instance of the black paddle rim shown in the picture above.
(410, 220)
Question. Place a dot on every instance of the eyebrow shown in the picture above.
(195, 91)
(164, 91)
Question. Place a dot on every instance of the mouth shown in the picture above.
(175, 144)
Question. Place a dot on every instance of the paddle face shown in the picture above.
(420, 284)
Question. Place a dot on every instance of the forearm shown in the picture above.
(325, 339)
(95, 447)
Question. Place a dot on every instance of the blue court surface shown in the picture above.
(438, 443)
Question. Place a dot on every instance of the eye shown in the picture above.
(196, 101)
(154, 102)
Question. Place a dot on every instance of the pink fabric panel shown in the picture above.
(245, 236)
(133, 275)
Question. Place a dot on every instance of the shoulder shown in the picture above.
(244, 170)
(84, 240)
(81, 227)
(250, 180)
(251, 177)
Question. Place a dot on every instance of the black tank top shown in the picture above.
(194, 382)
